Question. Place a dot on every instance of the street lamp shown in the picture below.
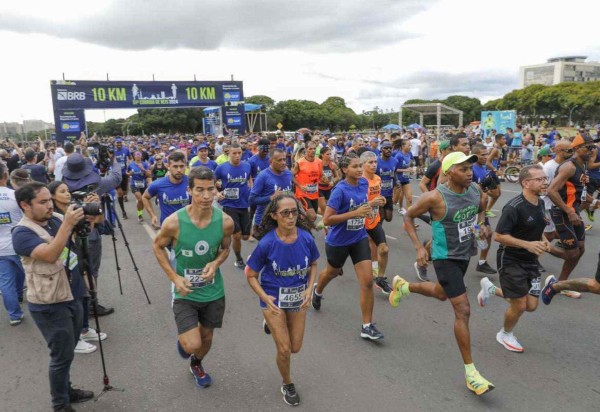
(570, 113)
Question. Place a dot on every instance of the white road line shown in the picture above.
(391, 237)
(149, 230)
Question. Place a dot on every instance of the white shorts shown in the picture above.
(549, 223)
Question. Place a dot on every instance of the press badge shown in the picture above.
(72, 258)
(291, 297)
(194, 277)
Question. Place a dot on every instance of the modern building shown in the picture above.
(9, 129)
(34, 126)
(560, 69)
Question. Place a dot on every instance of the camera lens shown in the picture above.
(92, 209)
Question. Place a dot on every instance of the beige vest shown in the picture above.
(46, 282)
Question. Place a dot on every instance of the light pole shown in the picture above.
(570, 113)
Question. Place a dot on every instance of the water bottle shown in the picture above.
(481, 240)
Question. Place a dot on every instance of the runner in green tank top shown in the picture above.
(454, 208)
(201, 236)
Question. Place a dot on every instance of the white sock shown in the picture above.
(365, 325)
(375, 265)
(481, 262)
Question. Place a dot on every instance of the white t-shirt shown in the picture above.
(58, 167)
(10, 215)
(550, 170)
(415, 146)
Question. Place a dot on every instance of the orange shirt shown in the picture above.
(433, 149)
(374, 191)
(309, 174)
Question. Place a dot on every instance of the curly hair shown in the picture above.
(268, 224)
(345, 162)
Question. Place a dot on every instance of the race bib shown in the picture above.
(5, 218)
(232, 193)
(386, 184)
(465, 230)
(356, 223)
(139, 183)
(536, 286)
(311, 188)
(193, 276)
(70, 258)
(291, 297)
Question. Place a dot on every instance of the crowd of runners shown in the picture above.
(266, 196)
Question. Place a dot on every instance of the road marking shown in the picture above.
(391, 237)
(149, 230)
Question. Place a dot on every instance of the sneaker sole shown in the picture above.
(425, 279)
(486, 390)
(394, 291)
(381, 289)
(508, 347)
(367, 336)
(311, 298)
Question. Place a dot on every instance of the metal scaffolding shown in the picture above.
(431, 109)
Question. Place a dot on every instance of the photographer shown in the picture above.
(79, 175)
(42, 239)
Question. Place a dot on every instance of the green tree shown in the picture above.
(266, 101)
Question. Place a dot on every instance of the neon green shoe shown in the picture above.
(478, 384)
(400, 290)
(489, 213)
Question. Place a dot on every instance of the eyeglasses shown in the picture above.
(288, 212)
(539, 179)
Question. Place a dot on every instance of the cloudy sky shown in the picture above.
(371, 53)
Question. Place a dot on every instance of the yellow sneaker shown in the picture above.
(399, 290)
(478, 384)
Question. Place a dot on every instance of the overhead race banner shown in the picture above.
(498, 120)
(83, 94)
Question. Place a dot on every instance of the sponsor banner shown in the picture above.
(498, 120)
(70, 124)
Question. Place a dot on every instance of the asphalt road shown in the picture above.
(417, 367)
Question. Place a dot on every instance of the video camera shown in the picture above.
(105, 152)
(89, 208)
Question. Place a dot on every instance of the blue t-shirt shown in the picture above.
(211, 164)
(386, 170)
(138, 177)
(171, 196)
(283, 265)
(479, 172)
(264, 186)
(345, 198)
(234, 184)
(121, 157)
(246, 155)
(376, 151)
(258, 164)
(289, 152)
(26, 240)
(404, 160)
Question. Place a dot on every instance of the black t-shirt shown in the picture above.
(433, 173)
(522, 220)
(13, 163)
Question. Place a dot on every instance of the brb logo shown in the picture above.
(67, 95)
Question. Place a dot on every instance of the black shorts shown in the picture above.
(124, 183)
(189, 313)
(337, 255)
(377, 234)
(570, 235)
(241, 219)
(389, 204)
(325, 193)
(311, 204)
(450, 274)
(138, 189)
(593, 185)
(402, 183)
(519, 279)
(417, 161)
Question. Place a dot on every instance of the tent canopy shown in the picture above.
(432, 109)
(391, 126)
(415, 126)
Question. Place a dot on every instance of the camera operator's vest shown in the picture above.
(46, 282)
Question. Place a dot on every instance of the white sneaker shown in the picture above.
(92, 335)
(571, 294)
(484, 293)
(402, 211)
(84, 347)
(509, 341)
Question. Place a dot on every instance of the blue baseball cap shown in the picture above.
(118, 140)
(202, 146)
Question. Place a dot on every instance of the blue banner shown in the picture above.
(69, 124)
(498, 120)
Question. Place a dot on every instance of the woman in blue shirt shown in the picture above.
(139, 174)
(280, 271)
(345, 213)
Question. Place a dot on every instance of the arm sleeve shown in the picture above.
(25, 241)
(335, 200)
(257, 259)
(314, 251)
(255, 197)
(508, 220)
(153, 188)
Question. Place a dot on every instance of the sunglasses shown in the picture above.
(288, 212)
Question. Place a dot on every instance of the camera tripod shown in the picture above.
(111, 217)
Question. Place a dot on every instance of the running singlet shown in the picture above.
(386, 170)
(234, 184)
(345, 198)
(309, 174)
(374, 191)
(328, 173)
(574, 187)
(258, 164)
(194, 249)
(284, 267)
(171, 196)
(211, 164)
(121, 157)
(265, 185)
(453, 235)
(138, 176)
(404, 160)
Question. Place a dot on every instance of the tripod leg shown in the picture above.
(111, 214)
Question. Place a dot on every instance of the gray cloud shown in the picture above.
(316, 25)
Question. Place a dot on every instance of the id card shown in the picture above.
(72, 258)
(194, 277)
(291, 297)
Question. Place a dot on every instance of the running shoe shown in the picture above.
(181, 351)
(541, 268)
(239, 263)
(203, 379)
(489, 213)
(402, 211)
(125, 216)
(588, 227)
(484, 293)
(478, 384)
(590, 215)
(382, 284)
(140, 220)
(18, 321)
(398, 292)
(485, 268)
(316, 299)
(290, 396)
(371, 332)
(84, 347)
(548, 293)
(266, 327)
(571, 294)
(509, 341)
(79, 395)
(421, 272)
(92, 335)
